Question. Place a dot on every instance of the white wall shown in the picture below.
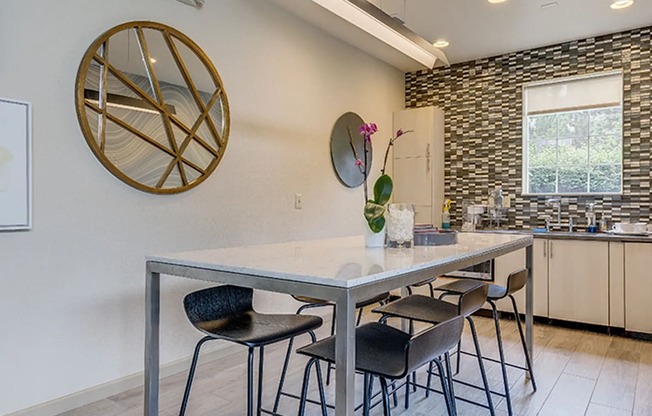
(71, 294)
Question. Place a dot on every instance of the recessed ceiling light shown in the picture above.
(496, 1)
(441, 43)
(621, 4)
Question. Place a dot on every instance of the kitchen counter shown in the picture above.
(577, 235)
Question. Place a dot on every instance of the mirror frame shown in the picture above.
(83, 105)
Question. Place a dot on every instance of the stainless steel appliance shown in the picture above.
(482, 271)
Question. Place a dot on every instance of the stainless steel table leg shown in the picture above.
(529, 302)
(344, 355)
(152, 319)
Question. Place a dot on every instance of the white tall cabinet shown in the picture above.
(418, 162)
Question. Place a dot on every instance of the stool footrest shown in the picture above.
(457, 397)
(493, 360)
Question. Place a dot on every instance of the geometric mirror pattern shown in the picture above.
(152, 107)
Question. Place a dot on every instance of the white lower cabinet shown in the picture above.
(592, 282)
(513, 261)
(578, 281)
(638, 287)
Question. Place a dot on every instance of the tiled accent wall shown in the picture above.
(482, 103)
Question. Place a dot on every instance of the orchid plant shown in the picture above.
(374, 209)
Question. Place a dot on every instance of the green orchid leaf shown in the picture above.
(376, 225)
(373, 211)
(383, 189)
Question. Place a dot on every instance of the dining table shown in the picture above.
(341, 270)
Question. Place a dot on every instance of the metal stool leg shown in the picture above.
(365, 395)
(191, 375)
(429, 380)
(281, 381)
(250, 383)
(320, 385)
(261, 355)
(501, 353)
(483, 373)
(385, 392)
(304, 388)
(528, 360)
(451, 388)
(444, 387)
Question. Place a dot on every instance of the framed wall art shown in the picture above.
(15, 165)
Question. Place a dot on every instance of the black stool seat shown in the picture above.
(458, 287)
(256, 329)
(389, 354)
(361, 304)
(515, 282)
(379, 349)
(432, 310)
(227, 313)
(420, 308)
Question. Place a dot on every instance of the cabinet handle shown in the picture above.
(551, 249)
(428, 158)
(545, 249)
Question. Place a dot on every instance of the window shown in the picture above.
(573, 136)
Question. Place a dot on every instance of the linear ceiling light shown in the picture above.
(380, 25)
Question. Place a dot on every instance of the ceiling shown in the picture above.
(478, 29)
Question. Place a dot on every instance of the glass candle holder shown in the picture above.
(400, 225)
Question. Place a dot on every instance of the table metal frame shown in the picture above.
(345, 299)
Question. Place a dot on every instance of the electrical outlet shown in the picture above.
(298, 201)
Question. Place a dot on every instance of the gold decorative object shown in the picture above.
(152, 107)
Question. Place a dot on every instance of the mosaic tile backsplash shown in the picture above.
(482, 103)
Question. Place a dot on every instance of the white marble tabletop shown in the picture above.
(341, 262)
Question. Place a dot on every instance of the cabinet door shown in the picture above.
(540, 277)
(503, 266)
(418, 162)
(508, 263)
(578, 277)
(638, 287)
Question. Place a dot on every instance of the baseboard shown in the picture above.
(93, 394)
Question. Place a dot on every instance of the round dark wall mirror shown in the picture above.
(344, 138)
(152, 107)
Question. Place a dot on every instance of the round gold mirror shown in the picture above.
(152, 107)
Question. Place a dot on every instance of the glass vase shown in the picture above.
(400, 225)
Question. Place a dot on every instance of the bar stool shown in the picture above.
(389, 354)
(226, 313)
(515, 282)
(432, 310)
(311, 303)
(425, 282)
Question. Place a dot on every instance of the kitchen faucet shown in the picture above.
(555, 203)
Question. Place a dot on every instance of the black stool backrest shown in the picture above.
(473, 300)
(433, 342)
(216, 303)
(516, 281)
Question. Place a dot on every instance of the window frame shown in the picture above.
(525, 135)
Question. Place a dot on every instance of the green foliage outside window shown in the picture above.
(575, 152)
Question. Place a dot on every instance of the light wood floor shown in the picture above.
(578, 373)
